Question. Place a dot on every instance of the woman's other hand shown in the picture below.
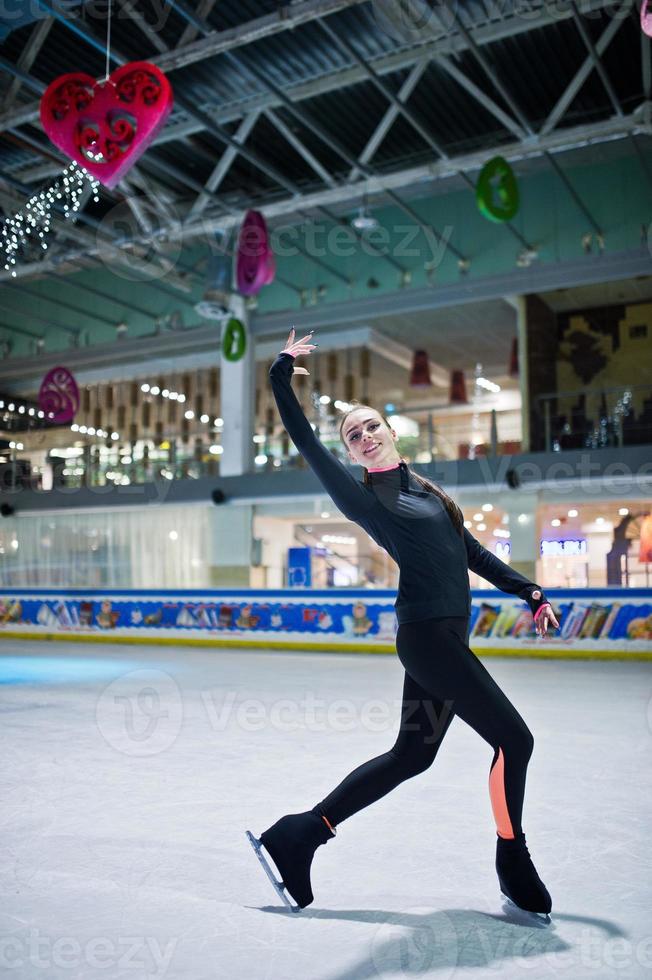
(296, 347)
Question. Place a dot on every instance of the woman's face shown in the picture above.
(368, 440)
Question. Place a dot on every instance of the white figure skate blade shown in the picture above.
(543, 918)
(278, 885)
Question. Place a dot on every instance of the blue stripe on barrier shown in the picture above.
(600, 593)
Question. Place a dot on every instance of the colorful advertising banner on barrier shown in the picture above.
(604, 622)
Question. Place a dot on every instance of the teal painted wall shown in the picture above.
(617, 194)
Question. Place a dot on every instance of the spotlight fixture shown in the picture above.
(525, 258)
(364, 220)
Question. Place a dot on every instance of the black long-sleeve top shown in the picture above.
(409, 522)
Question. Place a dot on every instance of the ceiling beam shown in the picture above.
(204, 8)
(48, 324)
(587, 66)
(481, 96)
(423, 131)
(494, 77)
(391, 113)
(449, 46)
(223, 164)
(302, 150)
(138, 18)
(557, 141)
(334, 144)
(61, 223)
(539, 277)
(599, 67)
(489, 70)
(71, 24)
(27, 57)
(315, 127)
(200, 341)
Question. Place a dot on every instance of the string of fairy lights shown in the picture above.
(31, 225)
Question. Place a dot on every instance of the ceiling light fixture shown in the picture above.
(487, 385)
(364, 220)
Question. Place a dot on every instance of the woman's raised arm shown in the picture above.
(347, 493)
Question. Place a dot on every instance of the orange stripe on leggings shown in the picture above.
(498, 799)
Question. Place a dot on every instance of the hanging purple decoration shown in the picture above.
(59, 395)
(646, 19)
(256, 265)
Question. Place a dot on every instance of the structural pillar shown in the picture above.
(523, 527)
(230, 546)
(536, 326)
(237, 384)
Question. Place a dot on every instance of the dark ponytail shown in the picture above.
(454, 512)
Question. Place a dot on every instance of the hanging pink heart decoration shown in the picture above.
(646, 19)
(59, 395)
(256, 265)
(105, 126)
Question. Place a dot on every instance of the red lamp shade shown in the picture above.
(645, 547)
(458, 388)
(420, 374)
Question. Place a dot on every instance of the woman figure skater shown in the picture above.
(423, 530)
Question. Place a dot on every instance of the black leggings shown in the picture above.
(443, 678)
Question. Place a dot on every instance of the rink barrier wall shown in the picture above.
(595, 623)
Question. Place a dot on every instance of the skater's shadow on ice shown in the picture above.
(420, 941)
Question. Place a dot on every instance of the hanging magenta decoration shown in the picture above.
(105, 126)
(420, 374)
(497, 191)
(256, 265)
(59, 395)
(458, 388)
(646, 19)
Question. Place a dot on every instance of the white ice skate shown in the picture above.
(278, 885)
(510, 907)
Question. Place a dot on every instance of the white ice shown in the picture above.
(130, 774)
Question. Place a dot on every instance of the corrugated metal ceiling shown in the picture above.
(536, 66)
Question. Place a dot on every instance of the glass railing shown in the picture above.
(593, 418)
(581, 419)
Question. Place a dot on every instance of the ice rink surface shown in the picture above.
(129, 776)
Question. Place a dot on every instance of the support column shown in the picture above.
(537, 339)
(230, 546)
(521, 333)
(524, 533)
(237, 404)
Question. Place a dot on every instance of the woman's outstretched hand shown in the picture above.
(296, 347)
(545, 615)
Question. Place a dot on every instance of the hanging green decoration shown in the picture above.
(497, 191)
(234, 340)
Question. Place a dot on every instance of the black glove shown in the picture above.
(534, 596)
